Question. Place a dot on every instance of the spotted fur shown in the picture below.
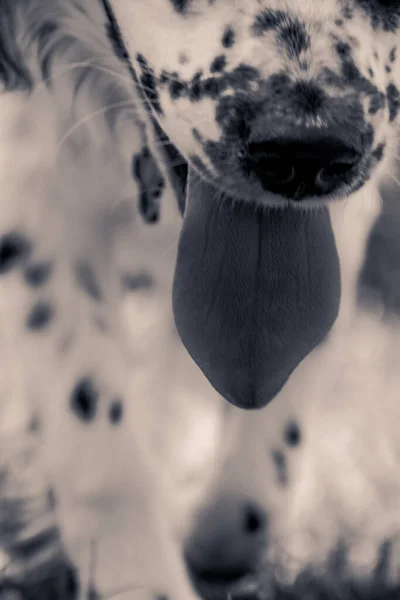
(80, 487)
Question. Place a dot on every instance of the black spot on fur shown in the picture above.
(292, 34)
(254, 520)
(115, 412)
(269, 20)
(218, 64)
(14, 248)
(180, 6)
(149, 83)
(393, 99)
(151, 185)
(201, 87)
(87, 281)
(377, 103)
(228, 38)
(383, 14)
(379, 152)
(40, 316)
(295, 38)
(279, 460)
(37, 274)
(34, 424)
(292, 434)
(84, 400)
(352, 78)
(138, 281)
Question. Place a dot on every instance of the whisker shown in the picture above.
(82, 65)
(392, 177)
(83, 120)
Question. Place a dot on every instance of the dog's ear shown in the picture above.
(14, 72)
(254, 291)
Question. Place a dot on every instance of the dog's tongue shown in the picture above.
(254, 291)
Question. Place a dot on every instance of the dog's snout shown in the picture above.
(306, 166)
(227, 542)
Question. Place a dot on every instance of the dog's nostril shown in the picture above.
(338, 168)
(274, 167)
(296, 168)
(254, 520)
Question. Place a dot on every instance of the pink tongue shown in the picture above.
(254, 291)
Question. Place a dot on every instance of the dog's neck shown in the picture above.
(352, 220)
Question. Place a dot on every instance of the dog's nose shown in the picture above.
(308, 166)
(227, 542)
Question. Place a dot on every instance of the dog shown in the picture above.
(285, 114)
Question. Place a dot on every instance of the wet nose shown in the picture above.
(227, 542)
(308, 166)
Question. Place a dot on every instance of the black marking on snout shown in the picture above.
(292, 33)
(14, 249)
(228, 37)
(40, 316)
(200, 86)
(84, 400)
(383, 14)
(218, 64)
(354, 79)
(87, 281)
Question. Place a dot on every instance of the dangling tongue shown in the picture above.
(254, 291)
